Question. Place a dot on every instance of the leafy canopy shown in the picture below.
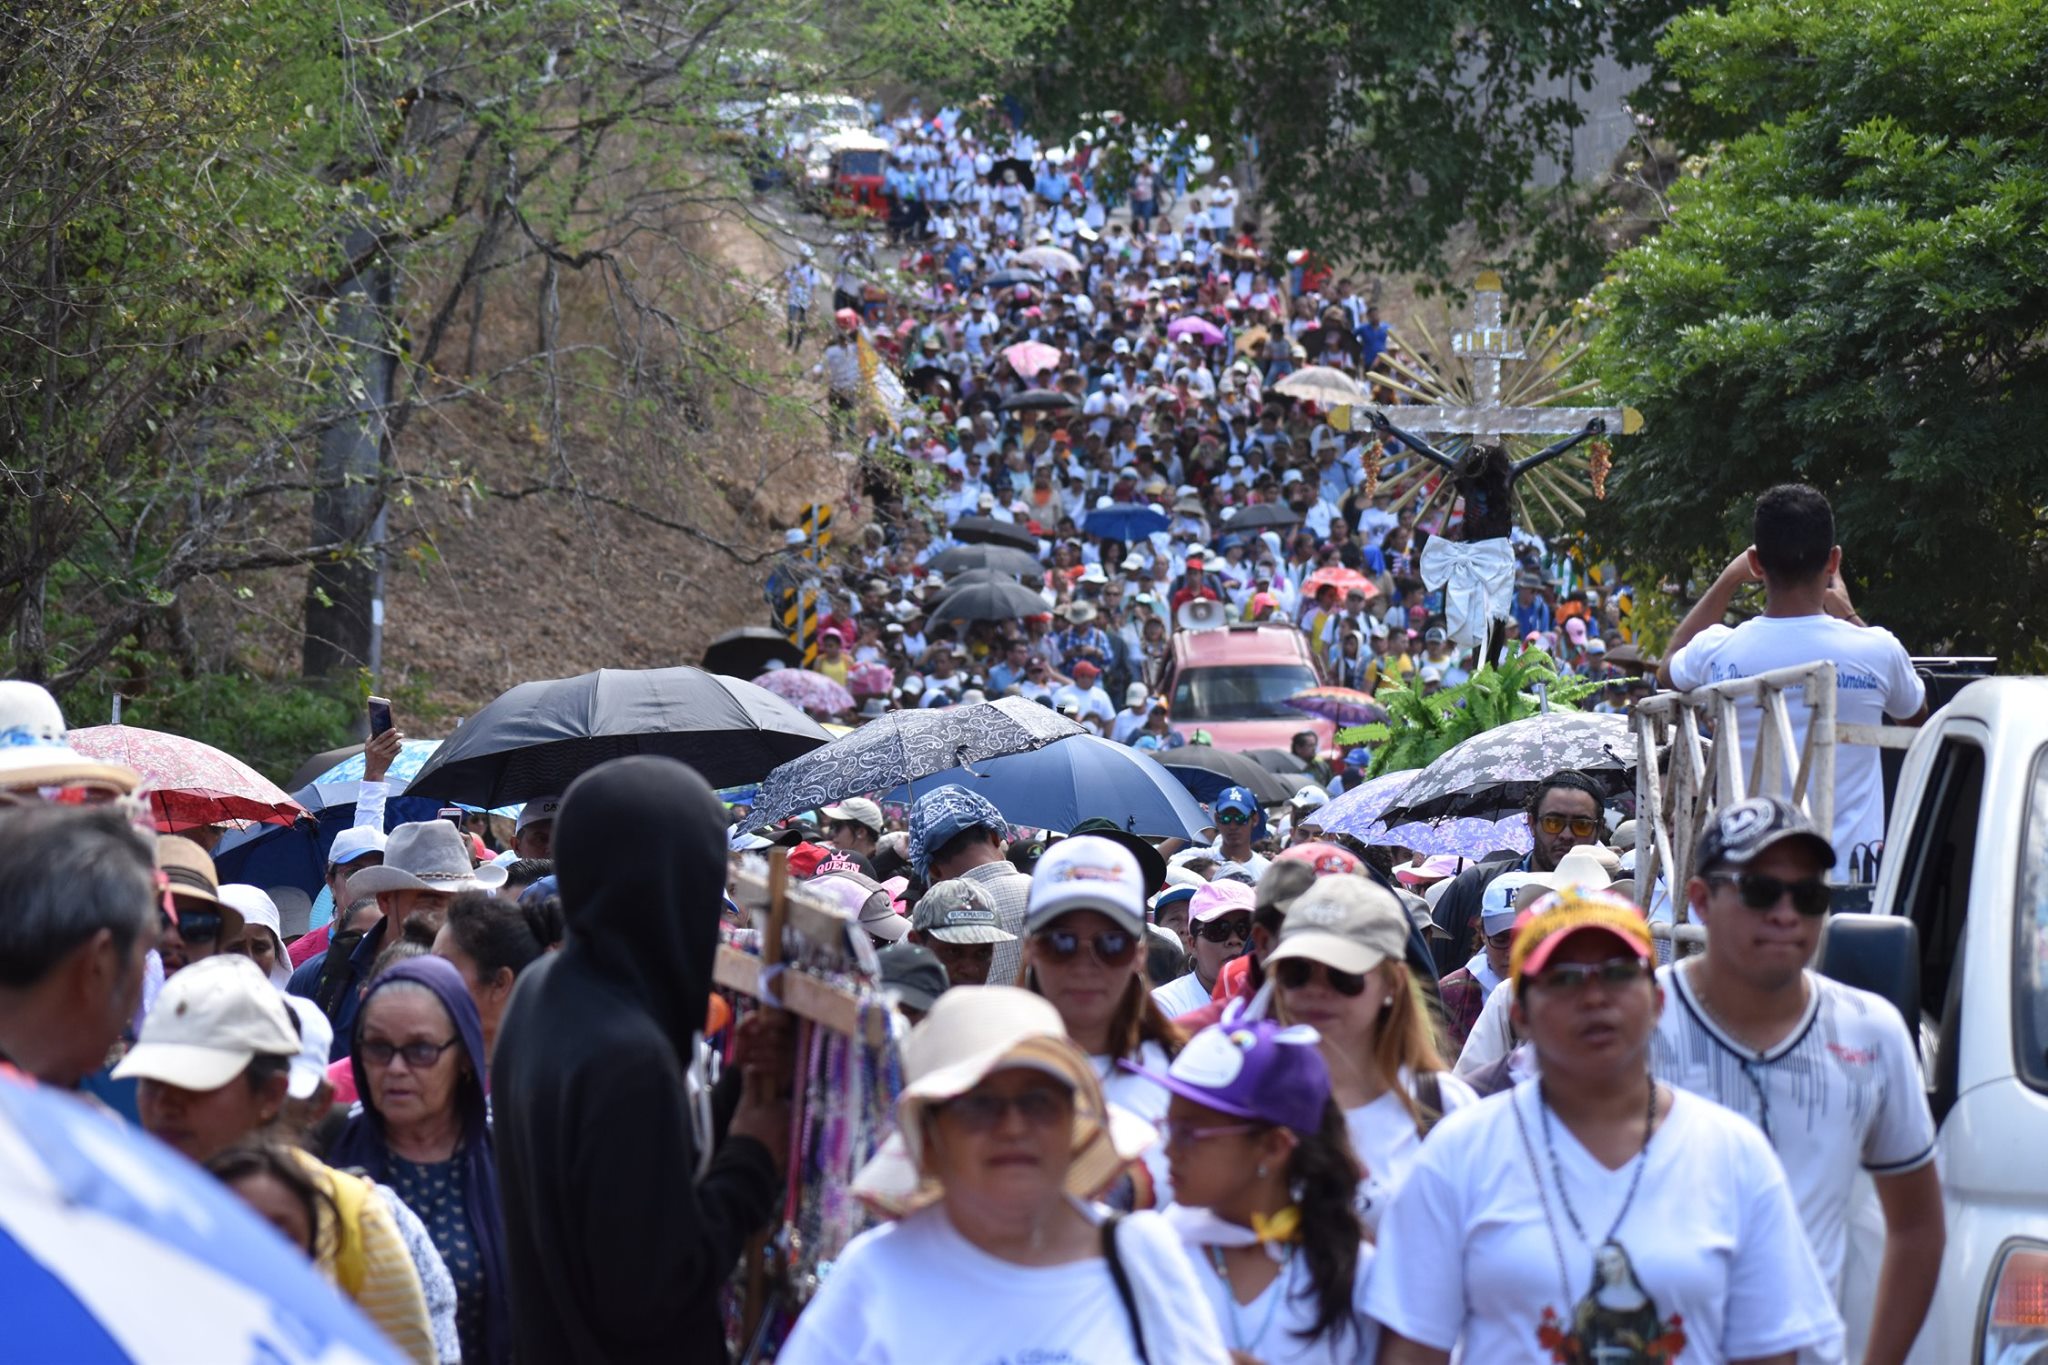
(1419, 728)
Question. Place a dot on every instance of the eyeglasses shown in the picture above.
(1181, 1131)
(1504, 939)
(1038, 1107)
(1581, 826)
(1759, 892)
(1233, 817)
(1229, 929)
(1113, 947)
(1293, 973)
(418, 1056)
(1573, 977)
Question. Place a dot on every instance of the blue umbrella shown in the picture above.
(1124, 521)
(115, 1248)
(1061, 785)
(296, 855)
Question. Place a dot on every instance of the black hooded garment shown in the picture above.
(615, 1248)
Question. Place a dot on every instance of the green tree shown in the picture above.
(1853, 293)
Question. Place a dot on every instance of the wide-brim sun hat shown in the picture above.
(426, 855)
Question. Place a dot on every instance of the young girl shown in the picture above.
(1338, 967)
(1263, 1173)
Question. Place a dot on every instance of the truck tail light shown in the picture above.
(2016, 1313)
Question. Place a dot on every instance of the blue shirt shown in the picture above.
(1372, 340)
(1535, 616)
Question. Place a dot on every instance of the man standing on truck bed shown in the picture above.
(1807, 619)
(1826, 1070)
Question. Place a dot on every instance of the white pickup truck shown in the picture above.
(1957, 937)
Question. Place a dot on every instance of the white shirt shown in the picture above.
(1180, 995)
(1473, 1243)
(1146, 1098)
(1383, 1134)
(1874, 679)
(1491, 1037)
(1093, 701)
(916, 1291)
(1841, 1092)
(1270, 1328)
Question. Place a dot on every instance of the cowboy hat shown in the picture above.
(426, 855)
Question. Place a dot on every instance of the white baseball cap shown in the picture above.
(536, 810)
(316, 1040)
(1087, 872)
(353, 843)
(210, 1021)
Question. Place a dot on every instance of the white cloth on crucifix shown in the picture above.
(1478, 582)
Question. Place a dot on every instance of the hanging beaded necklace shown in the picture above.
(1564, 1198)
(1278, 1290)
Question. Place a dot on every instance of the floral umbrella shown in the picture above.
(1342, 705)
(870, 679)
(1496, 771)
(190, 785)
(1356, 811)
(1345, 581)
(814, 692)
(1027, 358)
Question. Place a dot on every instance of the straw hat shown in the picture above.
(970, 1033)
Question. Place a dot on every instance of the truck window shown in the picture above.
(1239, 692)
(1936, 893)
(2030, 960)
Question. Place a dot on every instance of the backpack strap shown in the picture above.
(1123, 1284)
(1429, 1100)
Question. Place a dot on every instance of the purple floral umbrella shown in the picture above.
(1339, 705)
(813, 692)
(1358, 813)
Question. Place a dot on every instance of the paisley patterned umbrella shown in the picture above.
(907, 747)
(190, 785)
(1343, 705)
(814, 692)
(1495, 772)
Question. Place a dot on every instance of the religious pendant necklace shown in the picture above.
(1278, 1289)
(1564, 1198)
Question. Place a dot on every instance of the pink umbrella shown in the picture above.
(814, 692)
(870, 680)
(190, 785)
(1027, 358)
(1202, 328)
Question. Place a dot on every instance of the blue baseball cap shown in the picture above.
(1358, 758)
(1237, 799)
(944, 813)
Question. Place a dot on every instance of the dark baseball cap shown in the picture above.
(1741, 832)
(912, 975)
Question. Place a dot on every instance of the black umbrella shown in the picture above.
(320, 763)
(918, 378)
(988, 599)
(992, 558)
(1260, 516)
(1014, 276)
(747, 652)
(989, 531)
(539, 737)
(1236, 770)
(1495, 772)
(1277, 761)
(1040, 400)
(1010, 163)
(907, 747)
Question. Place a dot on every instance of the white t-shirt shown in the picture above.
(1383, 1134)
(1710, 1248)
(1874, 678)
(1269, 1328)
(1492, 1037)
(916, 1292)
(1842, 1092)
(1180, 995)
(1146, 1098)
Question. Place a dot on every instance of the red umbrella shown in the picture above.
(1344, 580)
(190, 785)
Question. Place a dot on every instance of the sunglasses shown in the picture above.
(198, 926)
(1229, 929)
(1293, 973)
(1039, 1107)
(1233, 817)
(1113, 947)
(1759, 892)
(1574, 976)
(1581, 826)
(418, 1056)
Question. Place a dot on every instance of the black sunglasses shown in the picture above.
(418, 1056)
(1574, 976)
(1233, 817)
(1228, 929)
(199, 926)
(1113, 947)
(1293, 973)
(1761, 892)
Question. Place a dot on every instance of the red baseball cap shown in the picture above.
(1564, 915)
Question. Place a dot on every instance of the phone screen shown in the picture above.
(380, 716)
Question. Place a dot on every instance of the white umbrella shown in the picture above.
(1321, 384)
(1050, 259)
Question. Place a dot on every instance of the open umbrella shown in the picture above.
(1040, 400)
(1277, 761)
(749, 650)
(870, 679)
(1471, 836)
(1206, 770)
(908, 747)
(1052, 260)
(296, 855)
(1000, 559)
(116, 1248)
(1124, 521)
(189, 785)
(1496, 771)
(989, 531)
(1345, 580)
(1016, 165)
(1027, 358)
(1340, 705)
(1010, 279)
(988, 599)
(1200, 328)
(817, 694)
(1261, 516)
(1321, 384)
(540, 736)
(1356, 811)
(1061, 785)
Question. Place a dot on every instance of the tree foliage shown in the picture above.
(1420, 727)
(1853, 293)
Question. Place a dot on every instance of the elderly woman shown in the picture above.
(1592, 1213)
(999, 1254)
(418, 1062)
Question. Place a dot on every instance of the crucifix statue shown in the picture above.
(1476, 570)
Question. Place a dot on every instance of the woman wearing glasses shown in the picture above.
(1083, 927)
(1591, 1213)
(1339, 968)
(418, 1060)
(1219, 927)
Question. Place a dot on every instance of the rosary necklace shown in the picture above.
(1642, 1159)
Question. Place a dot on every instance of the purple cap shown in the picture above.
(1260, 1070)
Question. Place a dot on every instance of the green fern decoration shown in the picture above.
(1420, 728)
